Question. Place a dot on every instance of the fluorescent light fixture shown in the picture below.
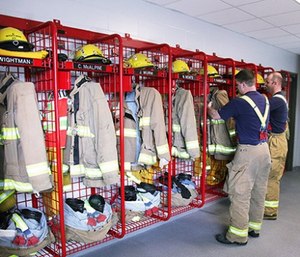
(298, 1)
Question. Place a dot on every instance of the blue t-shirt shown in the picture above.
(278, 114)
(248, 125)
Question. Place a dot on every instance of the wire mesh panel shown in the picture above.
(31, 66)
(94, 58)
(188, 113)
(148, 105)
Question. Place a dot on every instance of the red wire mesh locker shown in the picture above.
(42, 73)
(153, 77)
(196, 83)
(111, 80)
(220, 72)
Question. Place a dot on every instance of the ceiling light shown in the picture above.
(298, 1)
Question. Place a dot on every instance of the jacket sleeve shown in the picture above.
(29, 126)
(105, 135)
(188, 124)
(158, 127)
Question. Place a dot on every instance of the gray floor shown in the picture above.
(192, 234)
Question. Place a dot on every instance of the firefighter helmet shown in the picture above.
(211, 71)
(259, 79)
(14, 40)
(180, 66)
(97, 202)
(7, 200)
(138, 60)
(90, 53)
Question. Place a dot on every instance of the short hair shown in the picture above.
(246, 76)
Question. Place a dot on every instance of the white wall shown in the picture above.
(152, 23)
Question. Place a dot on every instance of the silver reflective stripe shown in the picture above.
(144, 122)
(162, 149)
(217, 122)
(147, 159)
(77, 170)
(180, 154)
(176, 128)
(9, 184)
(38, 169)
(238, 232)
(272, 204)
(10, 133)
(109, 166)
(20, 223)
(192, 144)
(255, 225)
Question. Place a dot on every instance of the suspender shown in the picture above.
(262, 118)
(283, 98)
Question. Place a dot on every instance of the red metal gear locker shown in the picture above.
(42, 73)
(155, 76)
(196, 84)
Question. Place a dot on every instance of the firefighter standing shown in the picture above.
(248, 172)
(277, 143)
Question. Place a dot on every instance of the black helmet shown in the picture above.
(130, 193)
(146, 187)
(75, 204)
(97, 202)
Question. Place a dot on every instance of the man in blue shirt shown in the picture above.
(248, 172)
(277, 143)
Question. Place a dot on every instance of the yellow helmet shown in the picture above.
(7, 200)
(259, 79)
(90, 53)
(138, 60)
(14, 40)
(180, 66)
(211, 71)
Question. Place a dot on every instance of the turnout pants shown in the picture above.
(246, 186)
(278, 150)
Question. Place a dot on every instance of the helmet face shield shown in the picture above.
(138, 60)
(90, 53)
(14, 40)
(179, 66)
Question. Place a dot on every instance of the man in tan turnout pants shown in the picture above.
(277, 143)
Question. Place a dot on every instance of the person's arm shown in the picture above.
(213, 113)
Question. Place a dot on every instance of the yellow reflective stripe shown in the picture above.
(109, 166)
(208, 167)
(232, 132)
(93, 173)
(9, 184)
(144, 122)
(10, 133)
(129, 132)
(82, 131)
(238, 232)
(77, 170)
(132, 177)
(176, 128)
(272, 204)
(255, 225)
(147, 159)
(5, 195)
(192, 144)
(20, 223)
(179, 154)
(38, 169)
(162, 149)
(127, 166)
(221, 149)
(217, 122)
(67, 188)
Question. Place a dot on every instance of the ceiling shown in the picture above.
(275, 22)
